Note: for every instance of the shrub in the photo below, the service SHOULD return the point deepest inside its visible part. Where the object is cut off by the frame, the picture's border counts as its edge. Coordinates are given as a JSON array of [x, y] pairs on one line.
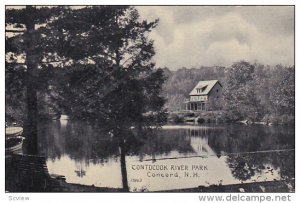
[[176, 118], [201, 120]]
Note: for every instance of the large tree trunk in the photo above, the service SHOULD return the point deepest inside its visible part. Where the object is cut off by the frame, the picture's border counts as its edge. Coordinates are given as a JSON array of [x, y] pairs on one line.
[[123, 167], [31, 131], [32, 110]]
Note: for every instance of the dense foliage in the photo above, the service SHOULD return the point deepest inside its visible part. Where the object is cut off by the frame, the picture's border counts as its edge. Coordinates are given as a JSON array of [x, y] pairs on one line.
[[252, 92], [91, 63], [112, 77]]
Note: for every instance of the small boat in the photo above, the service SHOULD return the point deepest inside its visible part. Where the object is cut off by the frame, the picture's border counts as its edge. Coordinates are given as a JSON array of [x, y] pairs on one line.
[[13, 131], [13, 140], [190, 119], [13, 145]]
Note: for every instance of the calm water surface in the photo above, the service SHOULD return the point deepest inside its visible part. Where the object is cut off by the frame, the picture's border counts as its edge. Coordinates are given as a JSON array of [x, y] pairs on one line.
[[175, 157]]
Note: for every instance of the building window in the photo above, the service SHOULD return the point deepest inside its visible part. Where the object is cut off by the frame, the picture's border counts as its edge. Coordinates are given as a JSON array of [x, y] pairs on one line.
[[217, 90], [203, 88]]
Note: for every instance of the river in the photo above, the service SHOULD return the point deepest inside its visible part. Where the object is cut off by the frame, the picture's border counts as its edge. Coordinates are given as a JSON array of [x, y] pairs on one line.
[[173, 157]]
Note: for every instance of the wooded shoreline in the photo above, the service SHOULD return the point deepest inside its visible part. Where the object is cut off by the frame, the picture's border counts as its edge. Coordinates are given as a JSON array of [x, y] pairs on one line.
[[219, 117]]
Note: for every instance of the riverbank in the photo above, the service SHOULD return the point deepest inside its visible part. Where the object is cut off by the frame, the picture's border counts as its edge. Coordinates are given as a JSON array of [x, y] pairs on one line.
[[196, 117], [258, 187], [268, 186], [217, 117], [70, 187]]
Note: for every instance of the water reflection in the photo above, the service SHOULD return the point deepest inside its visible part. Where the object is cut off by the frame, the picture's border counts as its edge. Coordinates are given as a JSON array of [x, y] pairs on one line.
[[85, 154], [245, 166], [80, 169]]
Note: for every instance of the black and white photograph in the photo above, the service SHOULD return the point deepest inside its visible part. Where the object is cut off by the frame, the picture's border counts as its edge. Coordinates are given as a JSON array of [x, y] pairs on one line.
[[149, 98]]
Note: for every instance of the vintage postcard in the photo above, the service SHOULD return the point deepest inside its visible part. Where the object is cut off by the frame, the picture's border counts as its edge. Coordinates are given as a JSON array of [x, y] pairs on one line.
[[150, 98]]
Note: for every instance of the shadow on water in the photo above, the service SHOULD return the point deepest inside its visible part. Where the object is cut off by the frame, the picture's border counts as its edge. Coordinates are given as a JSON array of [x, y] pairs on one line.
[[86, 154]]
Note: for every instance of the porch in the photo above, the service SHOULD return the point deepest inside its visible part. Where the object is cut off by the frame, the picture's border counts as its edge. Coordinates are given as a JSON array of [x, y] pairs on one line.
[[195, 106]]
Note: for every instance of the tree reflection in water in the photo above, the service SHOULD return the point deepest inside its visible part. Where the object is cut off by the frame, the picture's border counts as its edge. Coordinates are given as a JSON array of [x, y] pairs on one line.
[[245, 166], [80, 169], [78, 139], [242, 166], [256, 138], [90, 144]]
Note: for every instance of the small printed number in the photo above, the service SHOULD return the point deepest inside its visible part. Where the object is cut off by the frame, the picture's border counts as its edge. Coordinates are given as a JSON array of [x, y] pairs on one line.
[[136, 180]]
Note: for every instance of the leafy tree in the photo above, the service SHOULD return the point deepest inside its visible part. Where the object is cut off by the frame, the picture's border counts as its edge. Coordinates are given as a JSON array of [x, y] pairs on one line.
[[107, 73], [261, 79], [25, 67], [239, 92], [111, 77], [282, 90]]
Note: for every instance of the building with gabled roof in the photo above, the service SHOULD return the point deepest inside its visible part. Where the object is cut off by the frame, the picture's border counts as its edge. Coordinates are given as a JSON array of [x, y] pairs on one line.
[[206, 95]]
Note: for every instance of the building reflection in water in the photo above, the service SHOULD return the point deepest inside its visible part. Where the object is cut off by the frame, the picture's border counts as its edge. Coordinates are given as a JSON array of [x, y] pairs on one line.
[[199, 141], [85, 156]]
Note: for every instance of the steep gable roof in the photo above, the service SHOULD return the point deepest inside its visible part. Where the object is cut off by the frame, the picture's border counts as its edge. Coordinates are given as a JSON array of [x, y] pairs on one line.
[[205, 86]]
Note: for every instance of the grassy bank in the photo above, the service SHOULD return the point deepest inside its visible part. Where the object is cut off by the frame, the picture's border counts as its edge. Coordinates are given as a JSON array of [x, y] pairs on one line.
[[196, 117]]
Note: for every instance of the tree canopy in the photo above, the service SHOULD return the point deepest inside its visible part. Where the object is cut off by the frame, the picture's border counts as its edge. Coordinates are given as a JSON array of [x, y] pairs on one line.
[[252, 91]]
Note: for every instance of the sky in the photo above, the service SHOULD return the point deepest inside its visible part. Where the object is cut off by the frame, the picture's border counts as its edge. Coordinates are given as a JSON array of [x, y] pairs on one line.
[[193, 36]]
